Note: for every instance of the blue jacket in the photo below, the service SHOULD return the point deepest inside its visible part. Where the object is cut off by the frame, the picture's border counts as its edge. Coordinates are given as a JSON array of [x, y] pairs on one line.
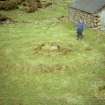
[[80, 27]]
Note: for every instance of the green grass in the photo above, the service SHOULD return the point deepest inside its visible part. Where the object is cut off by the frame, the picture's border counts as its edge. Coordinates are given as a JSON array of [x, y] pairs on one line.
[[24, 82]]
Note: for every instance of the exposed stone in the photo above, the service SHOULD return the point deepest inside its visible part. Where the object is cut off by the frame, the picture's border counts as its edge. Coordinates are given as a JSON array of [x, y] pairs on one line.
[[4, 19], [92, 21], [28, 5]]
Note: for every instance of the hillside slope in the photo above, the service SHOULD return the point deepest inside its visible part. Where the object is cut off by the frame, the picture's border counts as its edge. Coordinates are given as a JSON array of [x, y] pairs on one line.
[[42, 63]]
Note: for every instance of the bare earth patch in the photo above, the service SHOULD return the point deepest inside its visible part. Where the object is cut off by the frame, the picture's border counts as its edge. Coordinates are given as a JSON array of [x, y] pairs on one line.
[[100, 93], [51, 48], [42, 68], [51, 68]]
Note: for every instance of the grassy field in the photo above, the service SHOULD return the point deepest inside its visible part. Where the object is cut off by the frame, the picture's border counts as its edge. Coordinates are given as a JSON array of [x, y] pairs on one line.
[[68, 77]]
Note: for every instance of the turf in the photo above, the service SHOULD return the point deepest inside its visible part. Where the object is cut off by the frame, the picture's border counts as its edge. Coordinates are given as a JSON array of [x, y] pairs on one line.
[[50, 78]]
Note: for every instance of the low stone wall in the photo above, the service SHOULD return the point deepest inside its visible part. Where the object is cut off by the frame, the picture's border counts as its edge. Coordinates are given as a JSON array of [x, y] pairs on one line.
[[91, 20]]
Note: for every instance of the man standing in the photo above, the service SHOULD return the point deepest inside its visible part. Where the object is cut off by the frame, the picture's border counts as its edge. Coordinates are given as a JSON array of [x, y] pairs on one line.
[[80, 29]]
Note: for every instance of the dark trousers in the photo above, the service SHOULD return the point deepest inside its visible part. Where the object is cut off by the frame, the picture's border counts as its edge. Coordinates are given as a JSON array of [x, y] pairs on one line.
[[79, 35]]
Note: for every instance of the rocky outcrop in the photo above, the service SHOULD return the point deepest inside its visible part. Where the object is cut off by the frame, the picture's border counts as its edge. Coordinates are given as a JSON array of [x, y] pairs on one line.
[[7, 5], [28, 5]]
